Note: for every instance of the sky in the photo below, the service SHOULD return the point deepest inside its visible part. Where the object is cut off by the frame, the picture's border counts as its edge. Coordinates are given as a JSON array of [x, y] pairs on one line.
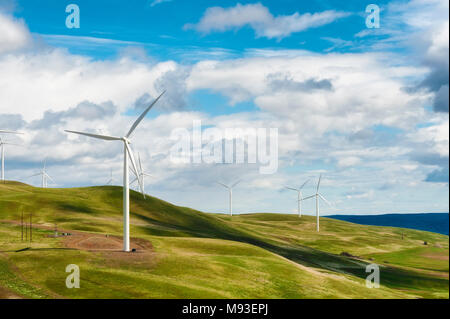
[[365, 107]]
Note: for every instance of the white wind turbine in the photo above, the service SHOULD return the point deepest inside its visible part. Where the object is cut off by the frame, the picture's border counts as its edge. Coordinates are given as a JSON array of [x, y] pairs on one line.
[[140, 174], [317, 195], [126, 153], [2, 145], [44, 176], [300, 197], [111, 179], [230, 191]]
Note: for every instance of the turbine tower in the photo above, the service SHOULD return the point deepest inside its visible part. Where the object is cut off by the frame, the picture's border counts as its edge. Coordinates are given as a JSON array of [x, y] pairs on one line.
[[317, 195], [127, 153], [2, 146], [141, 174], [300, 197], [44, 176], [230, 191]]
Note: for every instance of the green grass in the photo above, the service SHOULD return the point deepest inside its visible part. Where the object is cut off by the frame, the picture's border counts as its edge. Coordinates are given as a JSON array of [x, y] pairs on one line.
[[199, 255]]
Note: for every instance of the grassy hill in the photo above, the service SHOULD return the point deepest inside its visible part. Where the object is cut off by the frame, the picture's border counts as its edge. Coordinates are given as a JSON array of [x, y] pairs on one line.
[[184, 253]]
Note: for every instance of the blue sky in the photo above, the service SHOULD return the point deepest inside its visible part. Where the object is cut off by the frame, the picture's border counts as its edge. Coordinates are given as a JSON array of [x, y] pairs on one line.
[[365, 107], [159, 28]]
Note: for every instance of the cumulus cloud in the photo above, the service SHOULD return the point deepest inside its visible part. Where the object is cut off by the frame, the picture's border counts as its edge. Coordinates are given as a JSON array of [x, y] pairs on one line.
[[354, 91], [324, 105], [259, 18], [57, 80], [432, 149], [14, 34], [286, 82], [438, 176], [11, 121], [437, 59], [85, 111], [424, 27]]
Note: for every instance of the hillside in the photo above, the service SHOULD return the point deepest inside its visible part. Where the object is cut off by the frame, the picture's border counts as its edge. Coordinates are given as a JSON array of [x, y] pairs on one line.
[[183, 253]]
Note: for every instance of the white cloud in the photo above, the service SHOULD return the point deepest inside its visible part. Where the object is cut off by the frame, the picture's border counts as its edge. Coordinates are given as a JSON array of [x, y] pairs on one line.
[[54, 79], [349, 94], [365, 89], [14, 34], [156, 2], [259, 18], [349, 161]]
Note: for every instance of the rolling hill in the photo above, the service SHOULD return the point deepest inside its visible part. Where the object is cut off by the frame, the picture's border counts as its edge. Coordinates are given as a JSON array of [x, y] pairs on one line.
[[184, 253]]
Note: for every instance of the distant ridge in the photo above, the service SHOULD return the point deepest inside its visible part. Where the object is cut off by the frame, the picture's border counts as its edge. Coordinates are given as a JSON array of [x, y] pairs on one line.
[[432, 222]]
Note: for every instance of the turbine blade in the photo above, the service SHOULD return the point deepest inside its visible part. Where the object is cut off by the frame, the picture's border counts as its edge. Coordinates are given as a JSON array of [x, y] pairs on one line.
[[133, 162], [134, 181], [101, 137], [136, 123], [325, 200], [318, 184], [10, 132], [226, 186], [34, 175], [235, 183], [301, 187], [48, 176], [133, 171], [292, 189], [6, 143], [139, 160], [312, 196]]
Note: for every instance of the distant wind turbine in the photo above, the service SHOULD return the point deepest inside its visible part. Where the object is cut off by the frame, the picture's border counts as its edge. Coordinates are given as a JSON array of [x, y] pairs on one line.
[[300, 197], [111, 179], [317, 195], [2, 146], [140, 174], [44, 176], [230, 191], [127, 153]]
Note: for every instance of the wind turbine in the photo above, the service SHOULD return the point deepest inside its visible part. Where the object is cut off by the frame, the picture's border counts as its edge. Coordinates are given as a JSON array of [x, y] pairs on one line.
[[317, 195], [300, 197], [140, 174], [2, 145], [230, 191], [126, 187], [111, 179], [44, 176]]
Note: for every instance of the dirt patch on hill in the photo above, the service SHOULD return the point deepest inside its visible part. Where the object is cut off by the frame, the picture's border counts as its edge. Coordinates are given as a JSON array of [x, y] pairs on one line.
[[109, 249], [6, 294], [98, 242]]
